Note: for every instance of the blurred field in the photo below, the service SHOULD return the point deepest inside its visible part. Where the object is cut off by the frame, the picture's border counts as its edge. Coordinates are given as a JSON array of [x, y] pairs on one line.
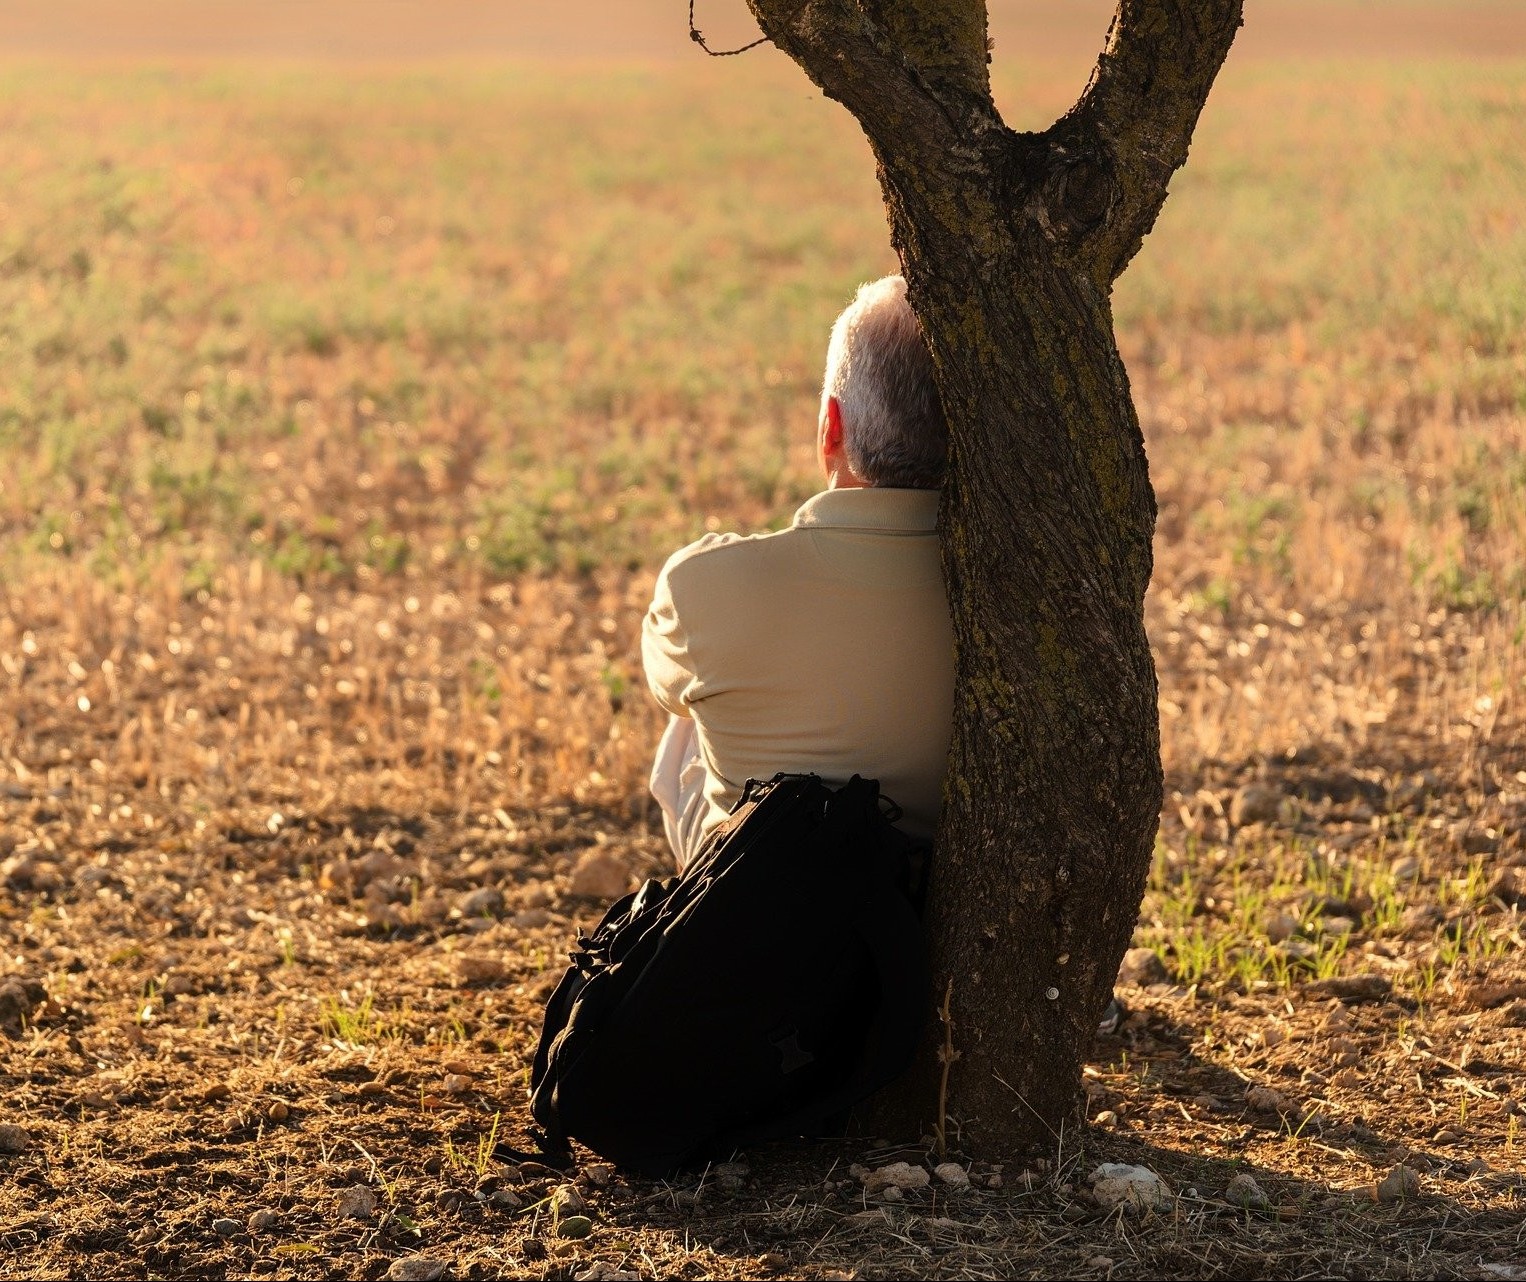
[[344, 420]]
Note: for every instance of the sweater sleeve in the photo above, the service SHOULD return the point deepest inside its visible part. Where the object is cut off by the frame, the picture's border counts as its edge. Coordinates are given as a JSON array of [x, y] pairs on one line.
[[665, 649]]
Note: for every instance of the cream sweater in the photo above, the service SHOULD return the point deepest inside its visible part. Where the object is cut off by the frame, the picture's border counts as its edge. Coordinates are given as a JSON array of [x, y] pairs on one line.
[[823, 648]]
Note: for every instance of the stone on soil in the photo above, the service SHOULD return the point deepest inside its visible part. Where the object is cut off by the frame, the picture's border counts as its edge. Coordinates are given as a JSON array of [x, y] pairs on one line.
[[1265, 1100], [567, 1200], [486, 901], [1255, 803], [224, 1227], [417, 1268], [1141, 968], [599, 875], [1352, 988], [1280, 927], [603, 1271], [1135, 1188], [357, 1203], [898, 1175], [1398, 1184], [478, 970], [1244, 1191], [263, 1220], [13, 1138], [575, 1226], [952, 1174]]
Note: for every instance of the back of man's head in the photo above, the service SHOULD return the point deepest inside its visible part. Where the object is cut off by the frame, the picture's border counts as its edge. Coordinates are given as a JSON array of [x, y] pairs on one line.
[[880, 372]]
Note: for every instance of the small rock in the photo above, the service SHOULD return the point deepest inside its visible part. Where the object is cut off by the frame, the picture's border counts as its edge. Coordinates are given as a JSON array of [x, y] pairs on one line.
[[1352, 988], [1415, 791], [1485, 994], [485, 901], [1263, 1099], [1254, 803], [278, 1111], [1136, 1188], [13, 1138], [457, 1083], [1336, 926], [1475, 840], [263, 1220], [574, 1226], [1299, 949], [599, 1174], [1141, 968], [1509, 888], [1243, 1190], [18, 999], [224, 1227], [505, 1200], [531, 918], [890, 1193], [599, 875], [217, 1092], [954, 1175], [416, 1268], [450, 1200], [1400, 1183], [1281, 927], [357, 1203], [898, 1175], [566, 1200], [1405, 868], [603, 1271], [1107, 1117], [536, 1171], [466, 969], [1074, 1212], [1421, 919], [178, 985], [1447, 1136]]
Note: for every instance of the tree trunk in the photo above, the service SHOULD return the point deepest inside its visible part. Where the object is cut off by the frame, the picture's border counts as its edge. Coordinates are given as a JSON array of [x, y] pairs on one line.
[[1010, 244]]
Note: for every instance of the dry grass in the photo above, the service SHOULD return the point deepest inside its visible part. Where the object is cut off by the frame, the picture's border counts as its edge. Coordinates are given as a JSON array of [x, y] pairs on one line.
[[342, 425]]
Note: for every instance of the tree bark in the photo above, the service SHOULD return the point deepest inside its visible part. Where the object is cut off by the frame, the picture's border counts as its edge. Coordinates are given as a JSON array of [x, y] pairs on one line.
[[1010, 244]]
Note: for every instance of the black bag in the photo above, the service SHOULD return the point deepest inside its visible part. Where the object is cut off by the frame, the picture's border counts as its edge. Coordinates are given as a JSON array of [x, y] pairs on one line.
[[776, 983]]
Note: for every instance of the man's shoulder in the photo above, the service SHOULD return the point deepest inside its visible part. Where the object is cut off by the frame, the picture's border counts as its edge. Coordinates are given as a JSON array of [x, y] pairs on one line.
[[727, 555]]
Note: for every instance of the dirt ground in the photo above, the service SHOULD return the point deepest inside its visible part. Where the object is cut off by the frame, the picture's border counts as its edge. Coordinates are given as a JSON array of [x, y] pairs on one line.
[[237, 994]]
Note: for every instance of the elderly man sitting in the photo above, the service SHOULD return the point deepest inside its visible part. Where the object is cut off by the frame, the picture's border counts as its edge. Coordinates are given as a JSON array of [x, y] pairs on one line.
[[826, 647]]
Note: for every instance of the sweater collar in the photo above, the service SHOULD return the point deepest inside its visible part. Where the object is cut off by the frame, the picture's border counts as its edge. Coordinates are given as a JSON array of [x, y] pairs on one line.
[[871, 508]]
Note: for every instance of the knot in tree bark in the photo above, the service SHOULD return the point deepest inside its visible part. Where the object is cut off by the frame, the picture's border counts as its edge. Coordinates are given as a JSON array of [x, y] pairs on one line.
[[1079, 194]]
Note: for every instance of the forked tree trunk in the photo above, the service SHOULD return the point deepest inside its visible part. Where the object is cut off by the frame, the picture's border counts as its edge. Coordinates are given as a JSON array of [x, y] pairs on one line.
[[1010, 243]]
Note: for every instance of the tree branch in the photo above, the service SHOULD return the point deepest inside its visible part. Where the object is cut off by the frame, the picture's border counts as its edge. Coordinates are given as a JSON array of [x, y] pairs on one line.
[[939, 110], [1144, 99], [946, 40]]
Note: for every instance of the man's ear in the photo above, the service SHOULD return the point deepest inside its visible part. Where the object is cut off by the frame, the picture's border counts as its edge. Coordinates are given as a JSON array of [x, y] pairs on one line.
[[831, 428]]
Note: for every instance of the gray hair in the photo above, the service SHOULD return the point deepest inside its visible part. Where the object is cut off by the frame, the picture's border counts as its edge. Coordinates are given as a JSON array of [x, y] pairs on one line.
[[880, 371]]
